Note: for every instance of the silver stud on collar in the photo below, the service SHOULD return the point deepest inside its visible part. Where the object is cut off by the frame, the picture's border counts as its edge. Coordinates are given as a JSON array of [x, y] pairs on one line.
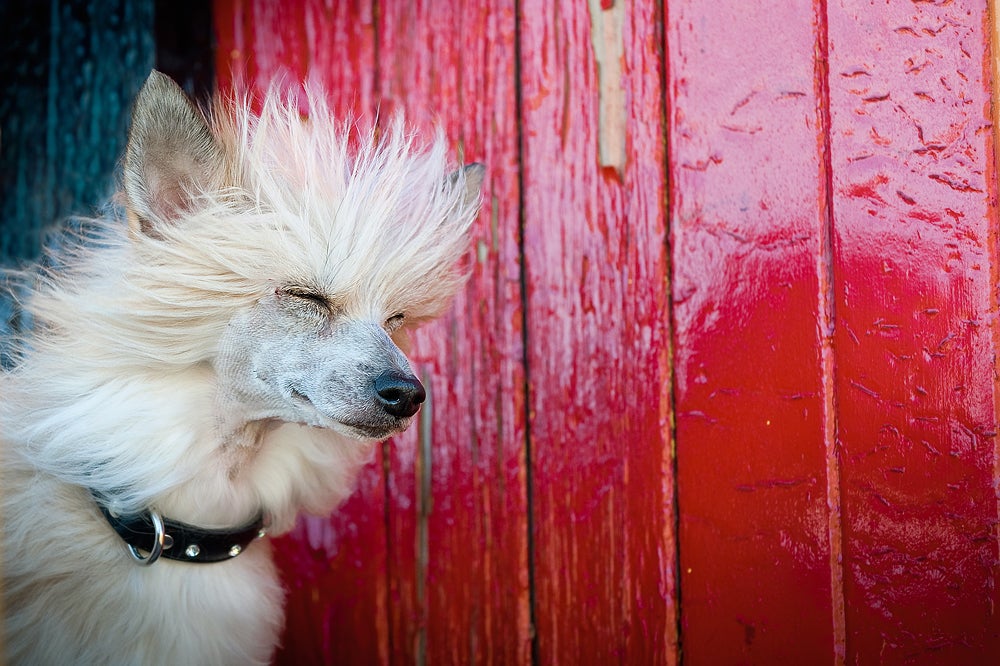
[[192, 550], [234, 551]]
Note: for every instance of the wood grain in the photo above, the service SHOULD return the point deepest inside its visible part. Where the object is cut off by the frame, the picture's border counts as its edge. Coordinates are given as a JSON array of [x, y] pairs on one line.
[[815, 339], [749, 224], [915, 252], [598, 336], [458, 493], [336, 567]]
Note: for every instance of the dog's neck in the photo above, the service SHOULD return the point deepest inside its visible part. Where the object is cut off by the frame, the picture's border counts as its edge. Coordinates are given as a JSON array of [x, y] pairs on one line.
[[159, 536], [241, 442]]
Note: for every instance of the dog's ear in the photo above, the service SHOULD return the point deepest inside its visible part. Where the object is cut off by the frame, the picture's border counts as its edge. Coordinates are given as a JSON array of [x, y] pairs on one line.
[[171, 156], [473, 175]]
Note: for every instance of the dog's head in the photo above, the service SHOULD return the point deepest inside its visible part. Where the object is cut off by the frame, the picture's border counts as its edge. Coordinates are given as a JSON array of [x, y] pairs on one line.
[[295, 253]]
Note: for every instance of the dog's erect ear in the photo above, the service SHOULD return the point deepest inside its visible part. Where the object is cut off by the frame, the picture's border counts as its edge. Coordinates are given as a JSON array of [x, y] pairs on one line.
[[474, 174], [170, 157]]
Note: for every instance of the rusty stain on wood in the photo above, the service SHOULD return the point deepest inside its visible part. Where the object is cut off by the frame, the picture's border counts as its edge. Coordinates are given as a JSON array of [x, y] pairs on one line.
[[606, 33]]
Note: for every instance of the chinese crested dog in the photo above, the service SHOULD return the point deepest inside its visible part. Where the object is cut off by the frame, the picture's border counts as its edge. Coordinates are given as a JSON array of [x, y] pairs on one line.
[[215, 361]]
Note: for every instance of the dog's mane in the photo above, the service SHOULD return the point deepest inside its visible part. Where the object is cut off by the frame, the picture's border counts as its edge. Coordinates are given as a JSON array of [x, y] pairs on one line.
[[369, 216], [324, 204]]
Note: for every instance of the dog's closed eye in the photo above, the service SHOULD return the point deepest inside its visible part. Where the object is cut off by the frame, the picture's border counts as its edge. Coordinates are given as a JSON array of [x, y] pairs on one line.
[[306, 295], [394, 322]]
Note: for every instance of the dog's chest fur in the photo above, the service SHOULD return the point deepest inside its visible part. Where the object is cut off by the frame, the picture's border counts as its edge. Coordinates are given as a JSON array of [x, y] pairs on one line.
[[69, 581]]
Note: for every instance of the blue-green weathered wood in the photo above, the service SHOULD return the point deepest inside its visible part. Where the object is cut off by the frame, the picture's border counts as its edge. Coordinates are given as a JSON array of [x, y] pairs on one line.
[[70, 71], [68, 74]]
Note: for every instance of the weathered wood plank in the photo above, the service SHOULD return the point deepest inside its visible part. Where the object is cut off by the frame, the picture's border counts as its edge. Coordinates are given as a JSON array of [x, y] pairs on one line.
[[288, 43], [756, 473], [335, 570], [451, 594], [458, 500], [336, 567], [598, 331], [915, 252]]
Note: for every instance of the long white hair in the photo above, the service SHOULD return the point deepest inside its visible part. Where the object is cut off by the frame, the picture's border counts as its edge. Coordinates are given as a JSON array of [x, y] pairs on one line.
[[219, 213]]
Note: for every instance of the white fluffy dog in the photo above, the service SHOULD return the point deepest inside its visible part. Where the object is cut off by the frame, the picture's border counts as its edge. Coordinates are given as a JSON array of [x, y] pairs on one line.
[[200, 375]]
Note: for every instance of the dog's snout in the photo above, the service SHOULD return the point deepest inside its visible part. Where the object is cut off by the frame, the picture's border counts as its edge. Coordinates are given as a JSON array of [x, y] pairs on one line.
[[400, 394]]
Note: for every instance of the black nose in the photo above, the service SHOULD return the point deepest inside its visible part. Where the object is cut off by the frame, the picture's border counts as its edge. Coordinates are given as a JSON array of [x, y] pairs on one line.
[[399, 393]]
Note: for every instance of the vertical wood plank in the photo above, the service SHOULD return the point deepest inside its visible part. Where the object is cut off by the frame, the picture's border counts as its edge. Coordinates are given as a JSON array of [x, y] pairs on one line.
[[335, 568], [748, 223], [914, 199], [598, 331], [69, 71], [458, 503], [261, 42]]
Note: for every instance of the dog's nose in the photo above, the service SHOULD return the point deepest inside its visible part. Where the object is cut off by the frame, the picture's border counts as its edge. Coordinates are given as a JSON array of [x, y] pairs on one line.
[[399, 393]]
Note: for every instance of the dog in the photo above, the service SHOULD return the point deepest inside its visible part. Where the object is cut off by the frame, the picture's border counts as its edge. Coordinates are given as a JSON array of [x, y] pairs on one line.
[[221, 357]]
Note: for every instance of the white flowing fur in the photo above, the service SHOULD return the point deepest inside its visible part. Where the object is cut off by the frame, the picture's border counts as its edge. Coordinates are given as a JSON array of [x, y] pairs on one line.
[[182, 363]]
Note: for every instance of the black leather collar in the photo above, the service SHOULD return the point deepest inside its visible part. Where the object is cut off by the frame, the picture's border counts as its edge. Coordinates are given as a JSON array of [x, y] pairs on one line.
[[183, 542]]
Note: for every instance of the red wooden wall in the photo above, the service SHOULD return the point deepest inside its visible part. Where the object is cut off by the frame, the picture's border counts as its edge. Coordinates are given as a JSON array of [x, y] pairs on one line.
[[722, 388]]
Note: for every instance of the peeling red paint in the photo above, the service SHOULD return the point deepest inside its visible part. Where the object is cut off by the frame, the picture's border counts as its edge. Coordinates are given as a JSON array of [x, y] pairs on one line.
[[598, 345], [755, 544], [817, 348], [446, 579], [466, 600], [920, 579]]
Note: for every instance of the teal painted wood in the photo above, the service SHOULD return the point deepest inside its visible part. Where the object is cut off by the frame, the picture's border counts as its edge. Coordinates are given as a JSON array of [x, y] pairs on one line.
[[71, 71], [68, 73]]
